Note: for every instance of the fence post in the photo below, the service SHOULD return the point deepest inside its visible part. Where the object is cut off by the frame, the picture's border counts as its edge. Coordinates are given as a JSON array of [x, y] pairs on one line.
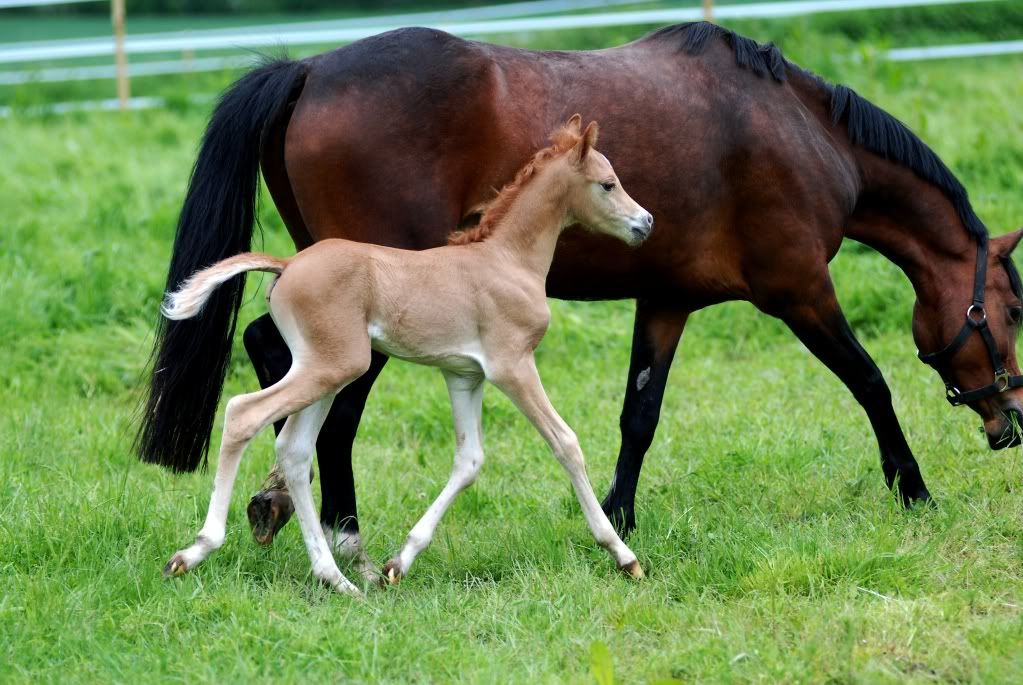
[[708, 10], [117, 19]]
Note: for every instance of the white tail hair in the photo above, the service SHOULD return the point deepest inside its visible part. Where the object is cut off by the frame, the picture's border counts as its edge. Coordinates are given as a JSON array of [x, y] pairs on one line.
[[189, 299]]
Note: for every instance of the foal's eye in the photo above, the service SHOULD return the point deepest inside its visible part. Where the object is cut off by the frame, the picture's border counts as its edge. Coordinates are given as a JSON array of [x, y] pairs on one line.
[[1016, 314], [608, 186]]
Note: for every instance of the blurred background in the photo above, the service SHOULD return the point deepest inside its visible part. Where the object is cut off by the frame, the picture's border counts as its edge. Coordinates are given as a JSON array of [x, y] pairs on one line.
[[66, 52]]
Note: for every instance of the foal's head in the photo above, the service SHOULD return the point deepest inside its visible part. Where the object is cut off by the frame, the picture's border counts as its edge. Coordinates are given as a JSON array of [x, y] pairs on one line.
[[596, 199], [973, 344]]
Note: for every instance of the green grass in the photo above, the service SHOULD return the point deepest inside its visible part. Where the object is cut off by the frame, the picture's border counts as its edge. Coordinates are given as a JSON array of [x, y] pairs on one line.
[[774, 551]]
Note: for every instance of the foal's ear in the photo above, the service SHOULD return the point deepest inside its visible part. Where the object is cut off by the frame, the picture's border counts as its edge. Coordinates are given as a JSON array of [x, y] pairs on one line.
[[1003, 245], [586, 142], [575, 123]]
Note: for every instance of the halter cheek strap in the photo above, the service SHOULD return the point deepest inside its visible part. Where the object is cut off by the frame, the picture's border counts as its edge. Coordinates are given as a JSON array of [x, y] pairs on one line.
[[976, 320]]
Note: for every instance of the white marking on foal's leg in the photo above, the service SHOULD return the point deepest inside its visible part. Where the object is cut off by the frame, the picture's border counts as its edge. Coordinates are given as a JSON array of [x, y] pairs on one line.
[[295, 447], [466, 406], [348, 544]]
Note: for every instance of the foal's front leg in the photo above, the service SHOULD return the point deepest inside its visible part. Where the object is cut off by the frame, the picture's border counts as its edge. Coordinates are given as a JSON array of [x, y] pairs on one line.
[[522, 385], [466, 394]]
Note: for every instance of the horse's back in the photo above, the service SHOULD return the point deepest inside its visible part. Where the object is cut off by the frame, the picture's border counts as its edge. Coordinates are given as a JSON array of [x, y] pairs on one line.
[[397, 137]]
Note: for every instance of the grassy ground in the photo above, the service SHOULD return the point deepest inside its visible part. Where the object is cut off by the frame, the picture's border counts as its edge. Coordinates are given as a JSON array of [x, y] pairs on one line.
[[774, 552]]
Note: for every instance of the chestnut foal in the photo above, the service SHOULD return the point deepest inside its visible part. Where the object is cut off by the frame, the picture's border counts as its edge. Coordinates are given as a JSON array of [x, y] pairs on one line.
[[476, 309]]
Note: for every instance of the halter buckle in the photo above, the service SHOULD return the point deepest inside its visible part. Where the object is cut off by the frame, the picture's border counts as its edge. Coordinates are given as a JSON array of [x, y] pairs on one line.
[[973, 309], [952, 393], [1002, 380]]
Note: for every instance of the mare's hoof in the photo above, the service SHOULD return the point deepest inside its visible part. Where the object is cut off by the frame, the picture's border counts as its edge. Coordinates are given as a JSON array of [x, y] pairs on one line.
[[920, 499], [268, 511], [392, 572], [176, 566], [633, 570]]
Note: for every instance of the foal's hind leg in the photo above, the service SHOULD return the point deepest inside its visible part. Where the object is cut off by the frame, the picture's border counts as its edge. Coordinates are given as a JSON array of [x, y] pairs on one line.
[[466, 407], [245, 416], [522, 384], [295, 446]]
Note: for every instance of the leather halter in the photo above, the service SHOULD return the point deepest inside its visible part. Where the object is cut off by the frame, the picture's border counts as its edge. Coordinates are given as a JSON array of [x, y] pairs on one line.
[[976, 320]]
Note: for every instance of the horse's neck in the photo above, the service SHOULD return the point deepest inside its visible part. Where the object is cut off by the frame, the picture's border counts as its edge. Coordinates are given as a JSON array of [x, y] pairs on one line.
[[914, 224], [529, 231]]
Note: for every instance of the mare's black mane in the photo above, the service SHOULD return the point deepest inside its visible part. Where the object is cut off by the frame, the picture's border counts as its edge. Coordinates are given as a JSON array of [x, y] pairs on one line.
[[869, 126]]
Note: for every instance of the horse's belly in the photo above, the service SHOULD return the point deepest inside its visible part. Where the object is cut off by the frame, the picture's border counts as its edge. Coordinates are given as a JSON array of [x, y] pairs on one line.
[[461, 356]]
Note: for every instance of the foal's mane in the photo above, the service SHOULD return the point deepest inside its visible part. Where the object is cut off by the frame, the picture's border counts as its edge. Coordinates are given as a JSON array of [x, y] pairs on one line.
[[563, 140], [869, 126]]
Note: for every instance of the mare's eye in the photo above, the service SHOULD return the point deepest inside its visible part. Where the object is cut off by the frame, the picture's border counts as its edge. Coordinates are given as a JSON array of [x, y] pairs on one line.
[[1016, 314], [608, 186]]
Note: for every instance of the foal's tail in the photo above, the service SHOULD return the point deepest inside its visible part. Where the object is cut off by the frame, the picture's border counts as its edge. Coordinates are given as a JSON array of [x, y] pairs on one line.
[[191, 357], [190, 298]]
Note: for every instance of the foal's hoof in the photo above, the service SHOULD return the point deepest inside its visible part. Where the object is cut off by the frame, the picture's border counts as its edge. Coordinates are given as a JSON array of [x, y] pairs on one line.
[[633, 570], [177, 566], [268, 511], [392, 572]]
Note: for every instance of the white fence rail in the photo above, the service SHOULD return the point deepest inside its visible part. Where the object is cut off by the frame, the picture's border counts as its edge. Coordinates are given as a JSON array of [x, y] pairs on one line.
[[11, 4], [260, 37], [1006, 47]]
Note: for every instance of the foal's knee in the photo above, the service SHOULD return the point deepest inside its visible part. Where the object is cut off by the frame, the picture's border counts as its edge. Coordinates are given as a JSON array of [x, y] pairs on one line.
[[467, 468], [567, 449]]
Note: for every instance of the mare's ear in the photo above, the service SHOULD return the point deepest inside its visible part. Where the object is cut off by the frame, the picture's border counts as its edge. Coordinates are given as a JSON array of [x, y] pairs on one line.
[[1003, 245], [575, 124], [586, 142]]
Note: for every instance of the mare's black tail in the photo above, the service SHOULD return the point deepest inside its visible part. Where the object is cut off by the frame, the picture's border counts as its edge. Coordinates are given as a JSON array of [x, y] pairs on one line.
[[191, 356]]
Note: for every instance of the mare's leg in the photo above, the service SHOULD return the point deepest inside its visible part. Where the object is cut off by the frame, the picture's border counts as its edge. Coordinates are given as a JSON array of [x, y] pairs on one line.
[[522, 385], [819, 323], [245, 416], [466, 394], [654, 338], [295, 447]]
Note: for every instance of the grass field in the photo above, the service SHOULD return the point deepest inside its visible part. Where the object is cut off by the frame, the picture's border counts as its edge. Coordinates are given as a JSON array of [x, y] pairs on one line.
[[773, 549]]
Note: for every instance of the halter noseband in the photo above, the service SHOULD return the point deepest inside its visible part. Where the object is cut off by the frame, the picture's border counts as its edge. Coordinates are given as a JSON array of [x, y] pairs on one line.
[[976, 320]]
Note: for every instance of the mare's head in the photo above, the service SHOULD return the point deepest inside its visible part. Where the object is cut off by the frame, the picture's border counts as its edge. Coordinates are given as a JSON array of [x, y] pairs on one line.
[[596, 199], [972, 343]]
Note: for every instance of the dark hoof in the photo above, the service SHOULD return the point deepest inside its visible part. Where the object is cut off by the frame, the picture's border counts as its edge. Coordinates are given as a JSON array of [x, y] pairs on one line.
[[622, 517], [268, 511], [920, 499]]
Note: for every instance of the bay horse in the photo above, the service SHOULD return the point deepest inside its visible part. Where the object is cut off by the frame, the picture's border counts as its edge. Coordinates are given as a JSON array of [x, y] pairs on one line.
[[475, 309], [756, 170]]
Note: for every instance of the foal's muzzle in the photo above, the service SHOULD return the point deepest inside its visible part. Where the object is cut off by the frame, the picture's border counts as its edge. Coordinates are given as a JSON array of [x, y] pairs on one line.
[[642, 228]]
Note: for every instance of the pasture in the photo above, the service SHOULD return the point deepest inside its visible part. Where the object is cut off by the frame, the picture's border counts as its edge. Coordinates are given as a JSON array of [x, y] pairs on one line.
[[773, 550]]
